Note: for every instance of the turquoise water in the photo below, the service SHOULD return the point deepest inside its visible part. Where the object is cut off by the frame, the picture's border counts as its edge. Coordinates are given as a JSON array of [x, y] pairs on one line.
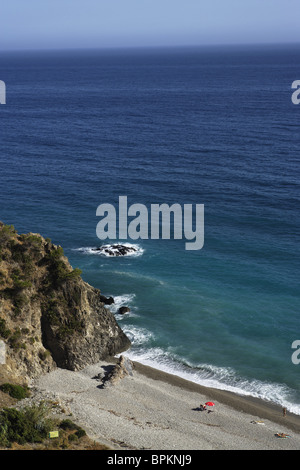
[[194, 126]]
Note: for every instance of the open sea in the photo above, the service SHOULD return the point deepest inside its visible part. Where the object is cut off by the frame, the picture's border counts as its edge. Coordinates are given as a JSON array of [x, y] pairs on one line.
[[213, 126]]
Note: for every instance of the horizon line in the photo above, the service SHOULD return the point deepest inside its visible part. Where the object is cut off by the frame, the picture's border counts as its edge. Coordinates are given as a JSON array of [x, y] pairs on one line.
[[161, 46]]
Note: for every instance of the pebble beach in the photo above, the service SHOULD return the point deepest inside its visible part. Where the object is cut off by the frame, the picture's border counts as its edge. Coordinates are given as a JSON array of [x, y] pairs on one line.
[[152, 410]]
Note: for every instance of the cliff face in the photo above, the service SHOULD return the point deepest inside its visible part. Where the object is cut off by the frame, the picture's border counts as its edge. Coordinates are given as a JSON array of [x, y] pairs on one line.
[[49, 316]]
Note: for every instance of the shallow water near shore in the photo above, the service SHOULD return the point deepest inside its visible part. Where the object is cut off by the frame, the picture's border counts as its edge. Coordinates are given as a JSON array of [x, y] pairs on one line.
[[200, 126]]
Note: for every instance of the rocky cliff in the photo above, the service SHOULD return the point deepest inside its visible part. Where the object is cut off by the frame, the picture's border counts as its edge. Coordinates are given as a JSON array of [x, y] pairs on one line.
[[49, 317]]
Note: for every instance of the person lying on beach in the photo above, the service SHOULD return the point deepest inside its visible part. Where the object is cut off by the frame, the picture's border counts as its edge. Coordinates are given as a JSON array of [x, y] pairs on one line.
[[282, 435]]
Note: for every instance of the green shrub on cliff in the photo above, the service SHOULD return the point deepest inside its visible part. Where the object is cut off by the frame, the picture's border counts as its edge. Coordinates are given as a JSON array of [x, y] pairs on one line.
[[56, 253], [67, 424], [15, 391], [28, 425], [15, 340], [73, 274], [6, 232], [33, 240], [65, 320], [4, 331], [20, 284], [32, 424], [58, 270]]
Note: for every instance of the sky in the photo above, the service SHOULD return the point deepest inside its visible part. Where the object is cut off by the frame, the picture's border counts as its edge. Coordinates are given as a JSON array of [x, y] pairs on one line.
[[60, 24]]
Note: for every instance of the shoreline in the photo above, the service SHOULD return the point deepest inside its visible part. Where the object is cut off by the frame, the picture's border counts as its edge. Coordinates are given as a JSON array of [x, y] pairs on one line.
[[240, 403], [149, 409]]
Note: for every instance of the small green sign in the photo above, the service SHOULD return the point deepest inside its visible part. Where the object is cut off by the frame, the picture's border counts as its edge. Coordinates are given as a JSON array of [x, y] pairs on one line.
[[53, 434]]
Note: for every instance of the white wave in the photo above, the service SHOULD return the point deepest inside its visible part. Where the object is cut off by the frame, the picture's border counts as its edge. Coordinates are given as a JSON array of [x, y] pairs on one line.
[[90, 250], [125, 300], [220, 378], [110, 250], [225, 378], [138, 336]]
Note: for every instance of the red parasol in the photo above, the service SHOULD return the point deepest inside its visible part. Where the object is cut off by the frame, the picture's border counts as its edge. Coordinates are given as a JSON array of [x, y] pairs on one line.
[[209, 403]]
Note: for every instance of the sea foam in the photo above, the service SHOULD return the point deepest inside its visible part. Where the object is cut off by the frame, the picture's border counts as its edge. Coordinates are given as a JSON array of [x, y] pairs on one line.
[[221, 378]]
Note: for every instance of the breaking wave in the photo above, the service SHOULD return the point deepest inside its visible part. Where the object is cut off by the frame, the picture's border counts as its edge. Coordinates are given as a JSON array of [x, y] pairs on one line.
[[125, 300], [222, 378]]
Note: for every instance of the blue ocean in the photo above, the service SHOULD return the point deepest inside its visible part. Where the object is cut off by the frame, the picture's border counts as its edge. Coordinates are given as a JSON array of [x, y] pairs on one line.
[[192, 125]]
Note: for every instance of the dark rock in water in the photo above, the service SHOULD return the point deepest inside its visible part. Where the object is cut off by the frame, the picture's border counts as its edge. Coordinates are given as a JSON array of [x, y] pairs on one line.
[[106, 300], [116, 250], [123, 310]]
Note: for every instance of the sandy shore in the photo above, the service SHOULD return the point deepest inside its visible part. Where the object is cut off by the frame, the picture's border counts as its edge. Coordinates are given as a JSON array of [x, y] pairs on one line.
[[157, 411]]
